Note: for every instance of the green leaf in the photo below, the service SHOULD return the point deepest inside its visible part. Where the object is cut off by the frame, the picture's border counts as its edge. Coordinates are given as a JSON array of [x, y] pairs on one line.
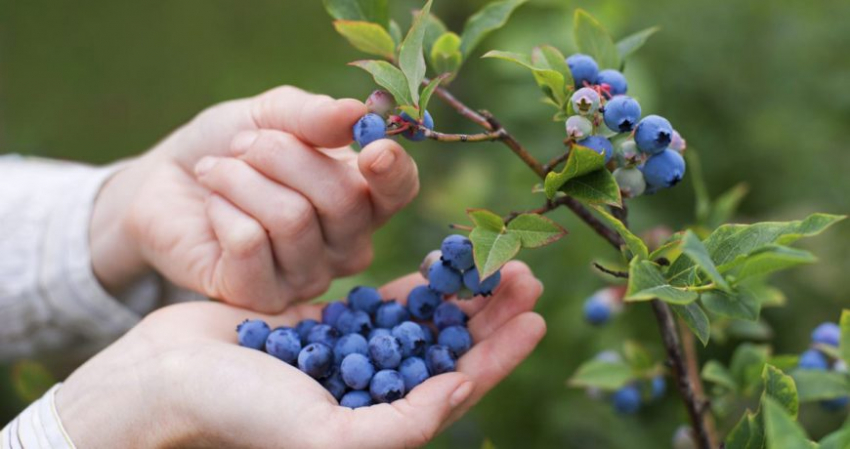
[[389, 77], [598, 187], [725, 206], [376, 11], [427, 92], [693, 248], [646, 283], [781, 387], [630, 44], [768, 259], [814, 385], [839, 439], [844, 346], [549, 57], [410, 56], [491, 249], [696, 320], [747, 366], [592, 39], [535, 230], [715, 372], [781, 431], [445, 54], [607, 376], [434, 28], [395, 32], [747, 434], [550, 81], [488, 19], [703, 201], [637, 357], [483, 218], [367, 37], [633, 242], [741, 304], [581, 161]]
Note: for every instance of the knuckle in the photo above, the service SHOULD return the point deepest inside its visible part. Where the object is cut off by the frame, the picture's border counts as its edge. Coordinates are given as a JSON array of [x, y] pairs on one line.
[[292, 218], [315, 286], [244, 239], [359, 260]]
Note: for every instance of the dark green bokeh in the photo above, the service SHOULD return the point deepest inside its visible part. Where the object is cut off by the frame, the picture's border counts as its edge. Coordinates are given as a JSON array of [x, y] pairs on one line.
[[761, 88]]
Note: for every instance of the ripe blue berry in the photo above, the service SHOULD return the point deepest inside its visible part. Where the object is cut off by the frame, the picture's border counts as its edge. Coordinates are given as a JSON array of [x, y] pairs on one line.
[[415, 134], [253, 334], [664, 169], [827, 334], [378, 331], [457, 251], [456, 338], [444, 279], [334, 384], [390, 314], [386, 386], [631, 181], [354, 322], [600, 145], [429, 260], [585, 101], [427, 334], [356, 399], [323, 333], [369, 128], [814, 360], [653, 134], [357, 371], [285, 344], [583, 68], [578, 127], [472, 282], [659, 387], [596, 311], [385, 351], [303, 328], [380, 102], [366, 299], [316, 359], [409, 334], [422, 301], [449, 314], [439, 360], [615, 80], [413, 371], [621, 114], [350, 344], [627, 400], [332, 311]]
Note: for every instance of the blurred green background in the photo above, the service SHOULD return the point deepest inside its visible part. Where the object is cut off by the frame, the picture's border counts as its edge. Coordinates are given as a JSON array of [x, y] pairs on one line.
[[762, 89]]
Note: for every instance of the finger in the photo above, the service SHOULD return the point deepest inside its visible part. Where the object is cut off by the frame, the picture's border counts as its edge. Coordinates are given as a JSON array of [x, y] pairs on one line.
[[339, 193], [317, 120], [244, 273], [518, 293], [392, 176], [409, 422], [288, 217]]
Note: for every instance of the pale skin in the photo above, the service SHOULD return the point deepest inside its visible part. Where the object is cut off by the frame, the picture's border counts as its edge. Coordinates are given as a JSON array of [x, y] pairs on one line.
[[260, 203]]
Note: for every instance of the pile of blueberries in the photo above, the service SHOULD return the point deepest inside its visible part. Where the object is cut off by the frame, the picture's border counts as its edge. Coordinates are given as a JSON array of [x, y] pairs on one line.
[[603, 305], [376, 124], [827, 334], [369, 350], [629, 399]]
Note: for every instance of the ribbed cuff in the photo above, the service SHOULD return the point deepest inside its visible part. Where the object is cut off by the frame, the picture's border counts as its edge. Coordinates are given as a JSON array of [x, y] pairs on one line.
[[38, 426]]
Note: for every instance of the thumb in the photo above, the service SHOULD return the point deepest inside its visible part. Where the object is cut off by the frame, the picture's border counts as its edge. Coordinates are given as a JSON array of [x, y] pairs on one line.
[[392, 177]]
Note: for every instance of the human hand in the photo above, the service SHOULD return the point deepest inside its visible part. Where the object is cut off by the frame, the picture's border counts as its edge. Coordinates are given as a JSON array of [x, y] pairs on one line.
[[179, 379], [258, 202]]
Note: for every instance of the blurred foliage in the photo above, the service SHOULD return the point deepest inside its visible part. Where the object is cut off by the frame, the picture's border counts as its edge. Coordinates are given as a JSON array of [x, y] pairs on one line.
[[759, 87]]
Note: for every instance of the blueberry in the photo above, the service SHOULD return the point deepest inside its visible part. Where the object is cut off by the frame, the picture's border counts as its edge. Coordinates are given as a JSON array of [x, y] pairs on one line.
[[835, 405], [449, 314], [350, 344], [664, 169], [285, 344], [422, 301], [585, 101], [653, 134], [472, 282], [357, 371], [827, 334], [631, 181], [600, 145], [303, 328], [456, 338], [354, 322], [430, 259], [615, 80], [621, 114], [323, 333], [583, 68], [332, 311], [578, 127], [334, 384], [366, 299], [386, 386], [253, 334], [457, 251], [409, 334], [385, 351], [378, 331], [380, 102], [814, 360], [316, 359], [369, 128], [413, 371], [627, 400], [427, 334], [445, 279], [439, 360], [356, 399], [659, 387], [415, 134], [596, 311], [390, 314]]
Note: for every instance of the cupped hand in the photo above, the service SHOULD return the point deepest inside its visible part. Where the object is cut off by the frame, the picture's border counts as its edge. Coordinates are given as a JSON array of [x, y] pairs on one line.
[[179, 379], [258, 202]]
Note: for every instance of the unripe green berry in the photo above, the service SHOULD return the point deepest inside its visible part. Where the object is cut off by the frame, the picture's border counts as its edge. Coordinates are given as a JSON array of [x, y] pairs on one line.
[[585, 101], [631, 181], [578, 127]]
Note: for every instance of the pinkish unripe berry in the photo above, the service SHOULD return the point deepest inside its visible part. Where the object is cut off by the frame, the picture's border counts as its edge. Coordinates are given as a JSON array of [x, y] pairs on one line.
[[380, 102]]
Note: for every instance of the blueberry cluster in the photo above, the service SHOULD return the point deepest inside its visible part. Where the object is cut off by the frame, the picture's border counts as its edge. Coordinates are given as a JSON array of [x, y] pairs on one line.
[[829, 335], [603, 305], [646, 151], [370, 350], [629, 399], [379, 122]]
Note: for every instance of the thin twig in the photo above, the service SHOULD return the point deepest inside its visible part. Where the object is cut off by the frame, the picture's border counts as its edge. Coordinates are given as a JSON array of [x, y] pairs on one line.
[[616, 274], [444, 137]]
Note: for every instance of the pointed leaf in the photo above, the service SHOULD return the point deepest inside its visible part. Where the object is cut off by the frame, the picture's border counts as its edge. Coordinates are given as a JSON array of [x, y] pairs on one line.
[[740, 304], [646, 283], [550, 81], [376, 11], [815, 385], [839, 439], [693, 248], [724, 207], [781, 387], [581, 161], [715, 372], [630, 44], [747, 366], [607, 376], [781, 431], [741, 436], [696, 320], [445, 54], [427, 92], [768, 259], [592, 39], [492, 250], [594, 188], [434, 28], [488, 19], [635, 244], [536, 230], [367, 37], [483, 218], [389, 77], [395, 32], [549, 57], [410, 57]]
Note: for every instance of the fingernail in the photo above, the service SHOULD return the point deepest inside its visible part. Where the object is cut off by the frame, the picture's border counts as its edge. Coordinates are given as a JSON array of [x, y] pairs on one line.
[[461, 393], [383, 163], [205, 165], [243, 141]]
